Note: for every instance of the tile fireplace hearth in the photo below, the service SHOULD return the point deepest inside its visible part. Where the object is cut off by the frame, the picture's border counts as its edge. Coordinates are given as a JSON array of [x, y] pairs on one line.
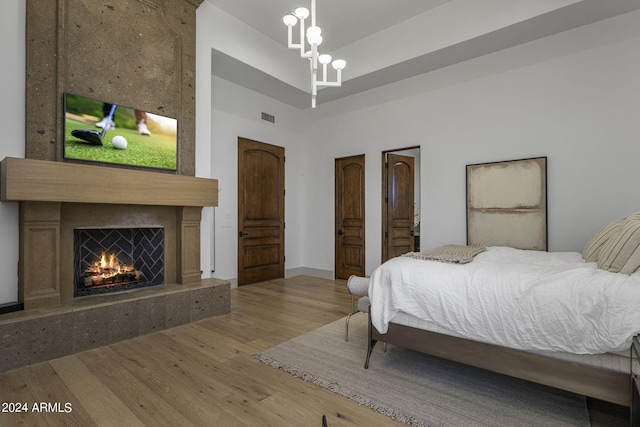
[[33, 336]]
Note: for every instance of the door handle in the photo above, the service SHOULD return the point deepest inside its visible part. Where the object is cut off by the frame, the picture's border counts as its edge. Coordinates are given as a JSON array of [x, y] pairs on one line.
[[242, 234]]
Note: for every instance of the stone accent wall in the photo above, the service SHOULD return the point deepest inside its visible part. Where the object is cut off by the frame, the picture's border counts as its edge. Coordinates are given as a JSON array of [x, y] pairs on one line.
[[136, 53]]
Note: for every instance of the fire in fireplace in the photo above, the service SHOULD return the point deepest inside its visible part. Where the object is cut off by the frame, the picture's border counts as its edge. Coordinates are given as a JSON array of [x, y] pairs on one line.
[[108, 271], [117, 259]]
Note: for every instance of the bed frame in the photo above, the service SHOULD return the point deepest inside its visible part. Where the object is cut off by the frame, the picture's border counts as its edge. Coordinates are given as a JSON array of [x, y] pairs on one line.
[[600, 383]]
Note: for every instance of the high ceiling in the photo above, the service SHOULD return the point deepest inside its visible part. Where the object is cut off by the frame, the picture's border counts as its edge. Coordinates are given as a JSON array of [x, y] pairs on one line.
[[383, 41], [342, 21]]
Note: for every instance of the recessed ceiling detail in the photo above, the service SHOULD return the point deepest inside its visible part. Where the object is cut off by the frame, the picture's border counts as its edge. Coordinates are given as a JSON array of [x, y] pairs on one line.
[[384, 41]]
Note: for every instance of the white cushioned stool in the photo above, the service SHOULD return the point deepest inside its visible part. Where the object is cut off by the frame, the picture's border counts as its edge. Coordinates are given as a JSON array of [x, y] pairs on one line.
[[357, 287]]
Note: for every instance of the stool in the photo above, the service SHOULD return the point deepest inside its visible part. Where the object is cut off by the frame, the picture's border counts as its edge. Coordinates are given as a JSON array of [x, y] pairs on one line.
[[357, 287]]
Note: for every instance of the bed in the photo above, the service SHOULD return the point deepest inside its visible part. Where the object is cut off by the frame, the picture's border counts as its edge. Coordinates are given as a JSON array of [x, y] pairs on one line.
[[563, 319]]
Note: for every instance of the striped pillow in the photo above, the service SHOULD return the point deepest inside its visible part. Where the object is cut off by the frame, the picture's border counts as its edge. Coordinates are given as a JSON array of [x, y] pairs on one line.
[[597, 241], [635, 215], [621, 253]]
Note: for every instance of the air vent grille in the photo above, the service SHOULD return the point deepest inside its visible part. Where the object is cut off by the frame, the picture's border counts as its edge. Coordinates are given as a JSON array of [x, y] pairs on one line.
[[268, 117]]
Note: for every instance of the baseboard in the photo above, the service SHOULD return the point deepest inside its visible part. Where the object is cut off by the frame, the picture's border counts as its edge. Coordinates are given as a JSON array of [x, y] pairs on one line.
[[298, 271], [308, 271]]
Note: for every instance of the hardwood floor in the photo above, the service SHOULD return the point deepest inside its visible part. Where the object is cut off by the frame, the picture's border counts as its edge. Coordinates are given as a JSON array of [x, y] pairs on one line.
[[202, 374]]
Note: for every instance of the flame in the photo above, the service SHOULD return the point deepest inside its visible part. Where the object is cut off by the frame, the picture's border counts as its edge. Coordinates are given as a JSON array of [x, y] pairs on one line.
[[112, 264], [108, 271], [109, 266]]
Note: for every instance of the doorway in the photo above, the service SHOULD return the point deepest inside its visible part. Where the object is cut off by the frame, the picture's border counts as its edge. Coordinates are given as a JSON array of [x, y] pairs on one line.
[[260, 211], [349, 217], [400, 196]]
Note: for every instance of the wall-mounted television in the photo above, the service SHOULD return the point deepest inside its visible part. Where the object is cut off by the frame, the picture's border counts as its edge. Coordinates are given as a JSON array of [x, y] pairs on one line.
[[97, 131]]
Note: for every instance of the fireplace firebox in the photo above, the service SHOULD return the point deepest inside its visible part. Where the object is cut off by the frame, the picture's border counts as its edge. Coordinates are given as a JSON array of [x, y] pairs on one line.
[[108, 260]]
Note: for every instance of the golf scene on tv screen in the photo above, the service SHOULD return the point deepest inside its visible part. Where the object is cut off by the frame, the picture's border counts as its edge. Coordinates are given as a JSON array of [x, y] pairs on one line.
[[97, 131]]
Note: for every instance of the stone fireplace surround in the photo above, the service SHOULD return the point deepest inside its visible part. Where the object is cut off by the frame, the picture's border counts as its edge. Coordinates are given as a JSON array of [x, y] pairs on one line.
[[78, 46]]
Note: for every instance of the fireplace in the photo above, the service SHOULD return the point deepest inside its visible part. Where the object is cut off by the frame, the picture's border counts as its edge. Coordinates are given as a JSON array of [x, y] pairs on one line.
[[108, 260], [71, 196], [59, 202], [57, 198]]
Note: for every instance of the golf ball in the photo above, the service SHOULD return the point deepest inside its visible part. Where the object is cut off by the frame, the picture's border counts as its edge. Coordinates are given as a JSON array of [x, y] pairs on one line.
[[119, 142]]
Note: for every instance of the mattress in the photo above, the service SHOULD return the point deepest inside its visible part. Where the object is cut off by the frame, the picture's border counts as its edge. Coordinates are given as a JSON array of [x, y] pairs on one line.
[[527, 300]]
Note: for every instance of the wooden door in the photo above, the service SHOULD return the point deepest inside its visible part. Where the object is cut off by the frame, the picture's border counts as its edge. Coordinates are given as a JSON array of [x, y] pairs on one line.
[[260, 211], [349, 217], [398, 193]]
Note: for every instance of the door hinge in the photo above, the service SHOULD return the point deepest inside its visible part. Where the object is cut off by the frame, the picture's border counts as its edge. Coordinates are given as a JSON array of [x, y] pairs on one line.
[[386, 200], [386, 234]]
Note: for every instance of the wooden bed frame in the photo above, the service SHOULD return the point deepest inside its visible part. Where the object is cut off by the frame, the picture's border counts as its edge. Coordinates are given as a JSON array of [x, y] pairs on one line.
[[600, 383]]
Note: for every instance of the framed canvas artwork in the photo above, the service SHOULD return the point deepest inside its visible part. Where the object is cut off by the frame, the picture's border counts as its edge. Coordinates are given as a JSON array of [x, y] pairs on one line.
[[507, 204]]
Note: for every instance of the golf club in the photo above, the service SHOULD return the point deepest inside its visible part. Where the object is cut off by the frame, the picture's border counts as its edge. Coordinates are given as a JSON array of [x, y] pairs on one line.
[[94, 137]]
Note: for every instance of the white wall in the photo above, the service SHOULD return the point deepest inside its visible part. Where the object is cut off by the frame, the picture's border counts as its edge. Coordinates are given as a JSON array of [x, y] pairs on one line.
[[237, 113], [12, 122], [573, 97], [225, 112], [204, 33]]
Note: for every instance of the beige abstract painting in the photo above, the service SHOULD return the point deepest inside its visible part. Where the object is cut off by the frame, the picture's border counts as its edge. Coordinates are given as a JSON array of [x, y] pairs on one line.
[[507, 204]]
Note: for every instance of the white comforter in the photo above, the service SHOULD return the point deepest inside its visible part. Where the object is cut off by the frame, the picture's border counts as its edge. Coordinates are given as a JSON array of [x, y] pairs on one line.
[[514, 298]]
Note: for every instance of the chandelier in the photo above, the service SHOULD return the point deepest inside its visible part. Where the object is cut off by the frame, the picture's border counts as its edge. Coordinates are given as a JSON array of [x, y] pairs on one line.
[[314, 39]]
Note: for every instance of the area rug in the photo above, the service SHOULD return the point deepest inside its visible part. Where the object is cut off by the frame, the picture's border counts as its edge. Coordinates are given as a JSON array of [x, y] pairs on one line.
[[418, 389]]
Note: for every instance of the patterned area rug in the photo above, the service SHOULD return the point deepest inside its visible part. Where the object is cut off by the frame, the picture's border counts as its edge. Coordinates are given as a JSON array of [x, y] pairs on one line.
[[418, 389]]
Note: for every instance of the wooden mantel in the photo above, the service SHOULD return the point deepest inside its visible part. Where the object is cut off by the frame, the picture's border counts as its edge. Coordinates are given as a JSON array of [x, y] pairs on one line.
[[48, 181]]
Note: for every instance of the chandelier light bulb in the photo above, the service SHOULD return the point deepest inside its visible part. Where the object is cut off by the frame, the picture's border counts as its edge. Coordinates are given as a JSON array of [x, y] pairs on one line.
[[312, 36], [324, 59], [314, 39], [289, 20], [313, 31], [301, 12], [339, 64]]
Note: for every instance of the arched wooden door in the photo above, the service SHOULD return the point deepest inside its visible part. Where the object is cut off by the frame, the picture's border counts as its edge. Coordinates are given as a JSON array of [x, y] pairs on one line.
[[260, 211], [349, 217], [398, 191]]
